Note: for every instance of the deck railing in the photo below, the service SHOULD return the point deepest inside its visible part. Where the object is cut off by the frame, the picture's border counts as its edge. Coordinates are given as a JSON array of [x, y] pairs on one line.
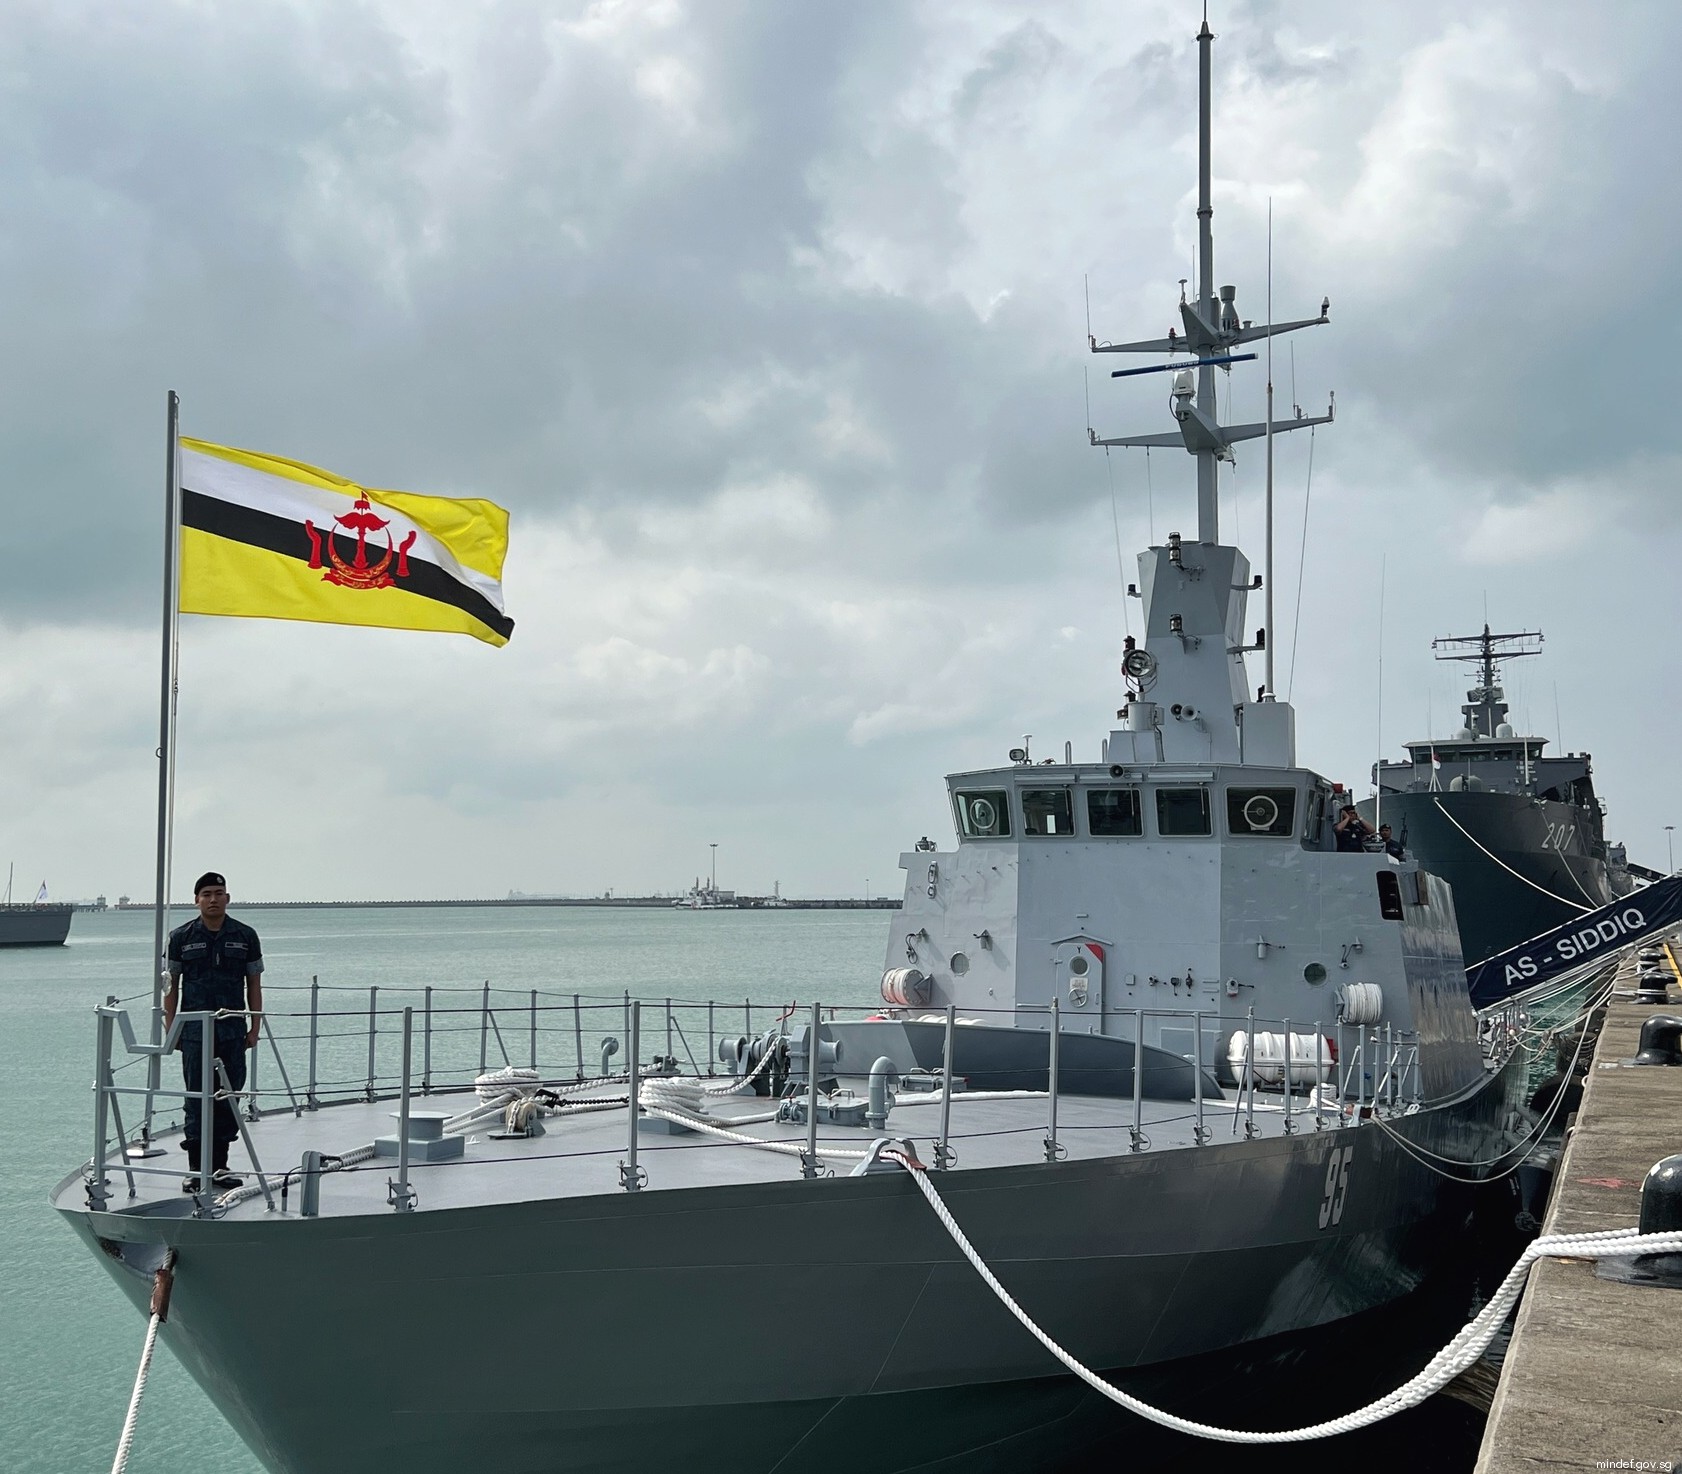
[[347, 1045]]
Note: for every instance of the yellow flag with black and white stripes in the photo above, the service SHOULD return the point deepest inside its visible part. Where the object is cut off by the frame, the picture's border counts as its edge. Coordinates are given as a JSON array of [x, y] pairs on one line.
[[267, 538]]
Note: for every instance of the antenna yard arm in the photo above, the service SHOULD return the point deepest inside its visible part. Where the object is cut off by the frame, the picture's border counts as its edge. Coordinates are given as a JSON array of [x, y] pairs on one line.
[[1256, 332], [1231, 433], [1150, 345], [1173, 440]]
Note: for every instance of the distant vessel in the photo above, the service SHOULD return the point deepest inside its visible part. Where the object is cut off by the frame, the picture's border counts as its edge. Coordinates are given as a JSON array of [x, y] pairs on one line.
[[708, 897], [41, 924], [1519, 836]]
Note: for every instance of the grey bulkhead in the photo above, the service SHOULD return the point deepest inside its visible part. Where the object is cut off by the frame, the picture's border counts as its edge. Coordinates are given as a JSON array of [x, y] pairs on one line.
[[1185, 923]]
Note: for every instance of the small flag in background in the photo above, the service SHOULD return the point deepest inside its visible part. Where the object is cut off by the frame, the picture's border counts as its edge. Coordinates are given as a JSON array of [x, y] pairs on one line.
[[267, 538]]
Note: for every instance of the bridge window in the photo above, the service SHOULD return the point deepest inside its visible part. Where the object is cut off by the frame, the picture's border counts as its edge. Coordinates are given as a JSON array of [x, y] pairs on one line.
[[1047, 811], [984, 813], [1182, 811], [1111, 811], [1261, 811]]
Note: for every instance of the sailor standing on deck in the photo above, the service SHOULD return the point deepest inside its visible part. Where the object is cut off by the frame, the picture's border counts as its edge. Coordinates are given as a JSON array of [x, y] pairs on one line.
[[217, 963]]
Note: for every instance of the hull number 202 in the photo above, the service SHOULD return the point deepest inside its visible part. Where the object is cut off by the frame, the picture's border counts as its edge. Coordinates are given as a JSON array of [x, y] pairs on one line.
[[1337, 1186]]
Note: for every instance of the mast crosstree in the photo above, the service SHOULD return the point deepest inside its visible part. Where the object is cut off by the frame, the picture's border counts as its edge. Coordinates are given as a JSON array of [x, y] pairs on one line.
[[1212, 330]]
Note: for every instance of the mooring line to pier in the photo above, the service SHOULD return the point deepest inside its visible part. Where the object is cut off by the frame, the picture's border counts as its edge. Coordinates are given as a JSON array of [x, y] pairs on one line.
[[162, 1283], [1464, 1349]]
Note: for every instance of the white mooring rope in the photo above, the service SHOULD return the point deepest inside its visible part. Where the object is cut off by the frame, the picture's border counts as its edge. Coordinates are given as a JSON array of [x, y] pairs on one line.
[[162, 1283], [1443, 1368]]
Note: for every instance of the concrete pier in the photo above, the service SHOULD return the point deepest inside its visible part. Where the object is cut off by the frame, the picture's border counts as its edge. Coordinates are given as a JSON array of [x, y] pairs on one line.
[[1593, 1375]]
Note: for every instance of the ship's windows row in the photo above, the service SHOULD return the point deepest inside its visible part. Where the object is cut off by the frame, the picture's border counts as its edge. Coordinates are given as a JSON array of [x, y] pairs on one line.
[[985, 813]]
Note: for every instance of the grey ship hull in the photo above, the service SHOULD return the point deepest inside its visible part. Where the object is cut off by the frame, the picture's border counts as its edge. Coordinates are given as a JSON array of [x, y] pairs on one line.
[[1501, 853], [34, 926], [831, 1324]]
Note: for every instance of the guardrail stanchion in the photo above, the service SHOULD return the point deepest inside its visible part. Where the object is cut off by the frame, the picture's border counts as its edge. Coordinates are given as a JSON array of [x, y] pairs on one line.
[[1138, 1130], [1290, 1123], [373, 1030], [1052, 1150], [577, 1038], [1198, 1134], [630, 1175], [315, 1020], [96, 1181], [943, 1148], [400, 1195], [1319, 1077], [809, 1164], [426, 1041]]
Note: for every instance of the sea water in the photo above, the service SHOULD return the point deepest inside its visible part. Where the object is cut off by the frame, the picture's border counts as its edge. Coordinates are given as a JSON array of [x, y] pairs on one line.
[[70, 1341]]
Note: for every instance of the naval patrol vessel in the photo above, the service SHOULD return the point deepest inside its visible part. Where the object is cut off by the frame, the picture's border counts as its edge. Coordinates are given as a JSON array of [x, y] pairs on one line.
[[1205, 1093], [1519, 835], [41, 924]]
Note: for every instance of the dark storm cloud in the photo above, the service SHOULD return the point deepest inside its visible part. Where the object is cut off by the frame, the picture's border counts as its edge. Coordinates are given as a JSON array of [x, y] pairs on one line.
[[525, 277]]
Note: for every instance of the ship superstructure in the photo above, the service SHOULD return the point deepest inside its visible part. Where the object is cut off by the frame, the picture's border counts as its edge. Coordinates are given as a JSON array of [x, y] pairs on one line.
[[1520, 835]]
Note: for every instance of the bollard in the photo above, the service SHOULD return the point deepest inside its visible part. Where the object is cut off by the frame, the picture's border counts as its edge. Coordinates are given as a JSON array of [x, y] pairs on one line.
[[1661, 1212], [309, 1186], [1661, 1041]]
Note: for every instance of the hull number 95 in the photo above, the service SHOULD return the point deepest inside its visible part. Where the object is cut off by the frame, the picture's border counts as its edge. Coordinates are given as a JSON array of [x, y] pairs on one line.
[[1337, 1186]]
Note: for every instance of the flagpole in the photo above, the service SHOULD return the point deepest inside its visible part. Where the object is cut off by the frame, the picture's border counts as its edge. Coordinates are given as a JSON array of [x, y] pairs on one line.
[[166, 732]]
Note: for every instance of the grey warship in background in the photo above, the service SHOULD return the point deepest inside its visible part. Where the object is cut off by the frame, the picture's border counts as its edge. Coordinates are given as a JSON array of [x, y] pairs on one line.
[[39, 924], [517, 1279], [1520, 836]]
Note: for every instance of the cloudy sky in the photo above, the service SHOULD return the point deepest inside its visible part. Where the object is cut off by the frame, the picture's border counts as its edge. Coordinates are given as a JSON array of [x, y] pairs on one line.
[[767, 323]]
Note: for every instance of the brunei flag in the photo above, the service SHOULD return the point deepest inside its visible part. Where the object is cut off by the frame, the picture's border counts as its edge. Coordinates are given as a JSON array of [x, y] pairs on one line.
[[274, 539]]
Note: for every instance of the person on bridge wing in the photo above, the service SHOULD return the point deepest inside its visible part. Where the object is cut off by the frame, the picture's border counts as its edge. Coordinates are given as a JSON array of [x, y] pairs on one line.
[[216, 963], [1352, 830]]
